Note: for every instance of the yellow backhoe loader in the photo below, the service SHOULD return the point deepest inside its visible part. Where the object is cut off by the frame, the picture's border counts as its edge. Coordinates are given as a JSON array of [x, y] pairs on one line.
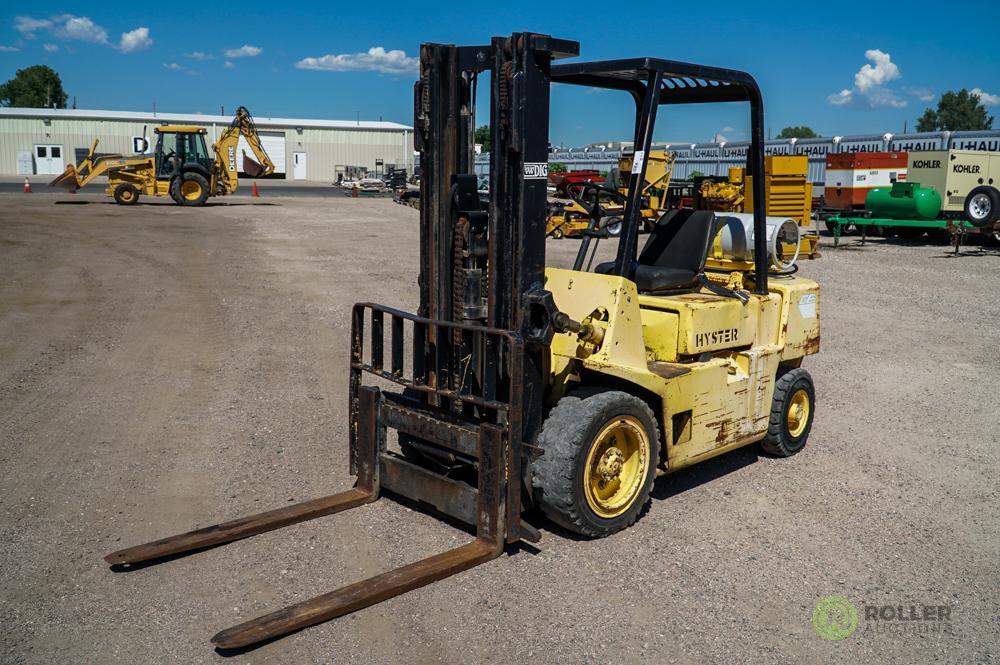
[[181, 166]]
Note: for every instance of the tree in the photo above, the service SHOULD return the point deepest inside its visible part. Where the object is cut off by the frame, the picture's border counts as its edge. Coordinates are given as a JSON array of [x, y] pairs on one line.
[[557, 167], [37, 86], [956, 112], [482, 137], [797, 132]]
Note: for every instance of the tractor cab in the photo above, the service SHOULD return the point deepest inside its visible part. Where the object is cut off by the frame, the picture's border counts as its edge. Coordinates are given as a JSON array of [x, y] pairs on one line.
[[179, 147]]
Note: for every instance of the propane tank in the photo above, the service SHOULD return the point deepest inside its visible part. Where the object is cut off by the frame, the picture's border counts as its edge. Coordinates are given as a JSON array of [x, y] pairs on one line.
[[904, 200], [737, 243]]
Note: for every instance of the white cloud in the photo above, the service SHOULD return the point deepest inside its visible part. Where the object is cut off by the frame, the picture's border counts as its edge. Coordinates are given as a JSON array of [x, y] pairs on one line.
[[172, 65], [9, 49], [198, 55], [28, 26], [869, 90], [245, 51], [923, 94], [841, 98], [79, 28], [377, 59], [728, 129], [135, 40], [68, 27], [229, 65], [51, 48], [985, 97]]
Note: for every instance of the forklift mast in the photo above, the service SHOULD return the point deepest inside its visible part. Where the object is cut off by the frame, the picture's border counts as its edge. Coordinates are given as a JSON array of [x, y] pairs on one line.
[[486, 267]]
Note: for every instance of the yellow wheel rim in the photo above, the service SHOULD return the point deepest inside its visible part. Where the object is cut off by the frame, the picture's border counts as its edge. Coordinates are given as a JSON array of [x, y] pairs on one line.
[[190, 190], [126, 195], [617, 464], [798, 412]]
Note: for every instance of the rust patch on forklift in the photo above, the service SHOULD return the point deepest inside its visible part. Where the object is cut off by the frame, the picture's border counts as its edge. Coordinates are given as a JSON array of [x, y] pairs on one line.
[[811, 345]]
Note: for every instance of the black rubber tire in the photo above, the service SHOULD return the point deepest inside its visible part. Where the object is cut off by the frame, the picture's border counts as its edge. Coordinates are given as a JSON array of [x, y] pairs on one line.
[[557, 233], [614, 226], [779, 441], [566, 437], [187, 177], [991, 216], [126, 194]]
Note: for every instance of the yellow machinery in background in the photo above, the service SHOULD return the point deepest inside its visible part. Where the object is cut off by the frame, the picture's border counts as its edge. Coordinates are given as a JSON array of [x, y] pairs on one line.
[[788, 192], [181, 166], [571, 219]]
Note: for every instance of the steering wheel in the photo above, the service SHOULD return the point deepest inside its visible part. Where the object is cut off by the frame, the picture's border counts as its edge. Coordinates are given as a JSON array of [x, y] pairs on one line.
[[588, 195]]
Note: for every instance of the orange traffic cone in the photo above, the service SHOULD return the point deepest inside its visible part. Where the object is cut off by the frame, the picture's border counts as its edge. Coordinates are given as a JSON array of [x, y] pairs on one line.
[[27, 186], [255, 192]]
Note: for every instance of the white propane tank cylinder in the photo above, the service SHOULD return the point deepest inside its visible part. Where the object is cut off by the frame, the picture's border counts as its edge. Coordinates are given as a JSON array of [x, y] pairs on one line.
[[736, 230]]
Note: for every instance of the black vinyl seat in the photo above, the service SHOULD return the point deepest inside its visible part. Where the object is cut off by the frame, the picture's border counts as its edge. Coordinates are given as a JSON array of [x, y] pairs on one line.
[[674, 255]]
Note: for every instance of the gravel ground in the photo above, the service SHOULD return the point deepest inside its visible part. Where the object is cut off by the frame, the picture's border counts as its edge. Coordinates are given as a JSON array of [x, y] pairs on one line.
[[164, 368]]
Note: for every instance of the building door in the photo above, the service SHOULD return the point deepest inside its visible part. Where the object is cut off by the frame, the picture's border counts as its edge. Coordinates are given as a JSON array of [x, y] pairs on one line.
[[299, 166], [48, 159]]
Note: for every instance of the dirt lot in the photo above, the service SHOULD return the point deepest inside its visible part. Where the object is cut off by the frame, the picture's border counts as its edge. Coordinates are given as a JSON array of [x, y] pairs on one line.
[[165, 368]]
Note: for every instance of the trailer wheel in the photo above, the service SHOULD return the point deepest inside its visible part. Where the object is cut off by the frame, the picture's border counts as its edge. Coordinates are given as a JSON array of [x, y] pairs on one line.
[[792, 410], [601, 451], [191, 189], [982, 206], [126, 194]]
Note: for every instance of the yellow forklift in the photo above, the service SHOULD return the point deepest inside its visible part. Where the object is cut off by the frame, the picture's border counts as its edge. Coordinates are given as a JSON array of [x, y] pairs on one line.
[[518, 387], [180, 167]]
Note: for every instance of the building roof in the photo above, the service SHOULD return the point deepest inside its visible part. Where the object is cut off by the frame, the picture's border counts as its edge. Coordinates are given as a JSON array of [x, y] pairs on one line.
[[197, 118]]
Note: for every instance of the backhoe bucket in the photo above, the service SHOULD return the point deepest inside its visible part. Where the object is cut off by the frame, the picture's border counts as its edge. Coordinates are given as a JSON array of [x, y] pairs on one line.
[[251, 167], [67, 180], [491, 506]]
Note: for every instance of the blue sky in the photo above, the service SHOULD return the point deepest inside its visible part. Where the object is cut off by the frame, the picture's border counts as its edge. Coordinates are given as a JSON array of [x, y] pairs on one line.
[[841, 69]]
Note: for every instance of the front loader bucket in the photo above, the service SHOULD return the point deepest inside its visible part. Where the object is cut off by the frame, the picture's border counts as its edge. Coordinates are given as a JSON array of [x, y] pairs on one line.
[[67, 180], [491, 506], [251, 167]]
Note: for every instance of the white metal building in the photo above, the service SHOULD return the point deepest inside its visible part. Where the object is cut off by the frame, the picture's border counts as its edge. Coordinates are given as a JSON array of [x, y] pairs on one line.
[[43, 141]]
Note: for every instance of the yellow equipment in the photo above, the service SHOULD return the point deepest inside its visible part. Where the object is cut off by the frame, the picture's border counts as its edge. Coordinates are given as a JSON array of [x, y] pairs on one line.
[[180, 167], [787, 190], [570, 220], [523, 385]]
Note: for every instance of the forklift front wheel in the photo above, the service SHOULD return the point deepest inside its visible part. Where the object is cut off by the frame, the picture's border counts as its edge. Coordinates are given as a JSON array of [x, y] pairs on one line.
[[126, 194], [792, 410], [557, 233], [601, 452]]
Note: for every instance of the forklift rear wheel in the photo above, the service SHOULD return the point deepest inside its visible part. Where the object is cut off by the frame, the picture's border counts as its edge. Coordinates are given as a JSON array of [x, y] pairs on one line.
[[126, 194], [792, 411], [599, 463], [192, 189]]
